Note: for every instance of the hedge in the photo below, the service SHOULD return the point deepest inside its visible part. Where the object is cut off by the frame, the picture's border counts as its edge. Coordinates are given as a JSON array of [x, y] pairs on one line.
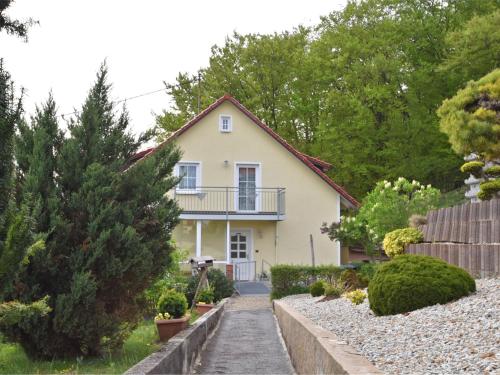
[[295, 279]]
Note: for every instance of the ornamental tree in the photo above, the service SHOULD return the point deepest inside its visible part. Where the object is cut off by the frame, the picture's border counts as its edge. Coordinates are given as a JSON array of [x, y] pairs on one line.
[[471, 119], [387, 207]]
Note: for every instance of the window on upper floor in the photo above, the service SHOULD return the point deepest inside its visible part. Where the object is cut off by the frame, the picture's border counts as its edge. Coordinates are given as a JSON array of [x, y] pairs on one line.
[[225, 124], [191, 177]]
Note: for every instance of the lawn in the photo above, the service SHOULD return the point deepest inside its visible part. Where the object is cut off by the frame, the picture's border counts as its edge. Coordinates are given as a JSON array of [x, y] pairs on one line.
[[140, 344]]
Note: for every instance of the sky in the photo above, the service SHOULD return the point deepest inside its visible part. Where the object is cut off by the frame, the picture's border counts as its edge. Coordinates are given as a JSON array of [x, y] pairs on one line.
[[143, 45]]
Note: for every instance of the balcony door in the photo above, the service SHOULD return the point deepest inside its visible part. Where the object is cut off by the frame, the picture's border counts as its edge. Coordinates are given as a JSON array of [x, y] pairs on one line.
[[247, 197]]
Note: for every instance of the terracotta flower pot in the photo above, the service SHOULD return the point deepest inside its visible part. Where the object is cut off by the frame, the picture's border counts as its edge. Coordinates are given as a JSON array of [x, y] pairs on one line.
[[202, 308], [169, 328]]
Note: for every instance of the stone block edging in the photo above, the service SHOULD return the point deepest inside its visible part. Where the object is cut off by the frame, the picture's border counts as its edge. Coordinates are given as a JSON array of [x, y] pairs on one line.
[[314, 350], [179, 354]]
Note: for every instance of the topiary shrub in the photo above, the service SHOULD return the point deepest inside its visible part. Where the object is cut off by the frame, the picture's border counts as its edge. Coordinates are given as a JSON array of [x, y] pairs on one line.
[[410, 282], [174, 303], [488, 189], [317, 289], [396, 241], [471, 119], [475, 168], [493, 171]]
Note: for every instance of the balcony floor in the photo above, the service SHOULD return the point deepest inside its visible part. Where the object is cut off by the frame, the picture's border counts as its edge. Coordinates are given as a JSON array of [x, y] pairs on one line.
[[231, 215]]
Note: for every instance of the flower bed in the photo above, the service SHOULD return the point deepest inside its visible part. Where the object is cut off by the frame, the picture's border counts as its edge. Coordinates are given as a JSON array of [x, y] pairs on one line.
[[461, 336]]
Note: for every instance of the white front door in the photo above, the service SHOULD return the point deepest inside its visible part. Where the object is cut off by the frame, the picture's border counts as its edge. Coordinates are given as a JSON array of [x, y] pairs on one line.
[[241, 254], [247, 199]]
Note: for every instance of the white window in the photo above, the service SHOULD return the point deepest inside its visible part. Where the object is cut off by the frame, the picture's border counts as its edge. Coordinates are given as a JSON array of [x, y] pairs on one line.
[[225, 123], [191, 177]]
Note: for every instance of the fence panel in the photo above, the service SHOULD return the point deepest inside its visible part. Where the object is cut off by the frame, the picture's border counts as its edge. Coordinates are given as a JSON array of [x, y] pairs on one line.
[[467, 236]]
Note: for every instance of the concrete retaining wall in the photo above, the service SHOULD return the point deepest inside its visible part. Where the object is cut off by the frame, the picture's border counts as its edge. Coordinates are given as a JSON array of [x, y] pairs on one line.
[[314, 350], [179, 354]]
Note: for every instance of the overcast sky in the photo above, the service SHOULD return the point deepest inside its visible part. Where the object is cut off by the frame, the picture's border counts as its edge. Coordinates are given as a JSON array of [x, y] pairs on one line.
[[144, 42]]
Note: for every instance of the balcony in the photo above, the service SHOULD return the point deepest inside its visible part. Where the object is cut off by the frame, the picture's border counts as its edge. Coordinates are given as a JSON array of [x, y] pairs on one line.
[[230, 203]]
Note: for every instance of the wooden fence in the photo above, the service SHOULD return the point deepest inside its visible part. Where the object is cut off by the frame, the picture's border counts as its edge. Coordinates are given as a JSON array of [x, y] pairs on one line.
[[467, 236]]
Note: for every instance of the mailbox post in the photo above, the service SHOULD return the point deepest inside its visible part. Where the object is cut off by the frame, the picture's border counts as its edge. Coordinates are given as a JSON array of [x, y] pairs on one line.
[[201, 265]]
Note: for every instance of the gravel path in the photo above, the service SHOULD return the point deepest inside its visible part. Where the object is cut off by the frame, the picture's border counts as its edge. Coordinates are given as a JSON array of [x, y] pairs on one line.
[[459, 337]]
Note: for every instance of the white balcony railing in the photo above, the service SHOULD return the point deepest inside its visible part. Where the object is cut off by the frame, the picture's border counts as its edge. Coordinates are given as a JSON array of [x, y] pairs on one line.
[[230, 201]]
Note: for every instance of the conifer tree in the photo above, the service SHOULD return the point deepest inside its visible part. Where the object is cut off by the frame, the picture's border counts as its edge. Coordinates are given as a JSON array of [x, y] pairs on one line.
[[16, 223], [108, 234]]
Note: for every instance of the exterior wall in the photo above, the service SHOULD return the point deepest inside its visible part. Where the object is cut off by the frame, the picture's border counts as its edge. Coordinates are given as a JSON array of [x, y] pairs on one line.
[[213, 239], [310, 201]]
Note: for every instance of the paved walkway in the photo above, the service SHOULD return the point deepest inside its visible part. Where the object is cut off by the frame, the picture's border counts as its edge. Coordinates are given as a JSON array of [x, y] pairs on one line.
[[246, 342], [252, 288]]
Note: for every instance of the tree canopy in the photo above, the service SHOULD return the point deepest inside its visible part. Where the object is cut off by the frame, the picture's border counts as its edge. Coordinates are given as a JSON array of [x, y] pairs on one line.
[[359, 90], [12, 26]]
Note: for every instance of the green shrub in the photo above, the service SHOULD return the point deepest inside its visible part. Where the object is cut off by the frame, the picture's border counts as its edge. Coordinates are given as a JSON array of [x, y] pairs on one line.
[[222, 286], [176, 281], [410, 282], [475, 168], [295, 279], [174, 303], [366, 271], [317, 289], [493, 171], [356, 296], [488, 189], [351, 280], [206, 295], [396, 241], [333, 291], [328, 273]]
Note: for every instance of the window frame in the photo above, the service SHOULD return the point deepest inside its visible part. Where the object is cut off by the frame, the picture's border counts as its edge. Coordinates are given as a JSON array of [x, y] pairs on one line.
[[230, 127], [197, 188]]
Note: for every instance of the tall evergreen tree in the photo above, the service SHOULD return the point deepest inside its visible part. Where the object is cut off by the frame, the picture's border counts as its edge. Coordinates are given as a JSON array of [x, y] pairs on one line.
[[108, 235], [37, 147], [16, 223]]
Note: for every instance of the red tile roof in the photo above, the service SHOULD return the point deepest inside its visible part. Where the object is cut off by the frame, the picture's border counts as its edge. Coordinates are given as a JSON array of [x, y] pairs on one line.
[[321, 164], [316, 165]]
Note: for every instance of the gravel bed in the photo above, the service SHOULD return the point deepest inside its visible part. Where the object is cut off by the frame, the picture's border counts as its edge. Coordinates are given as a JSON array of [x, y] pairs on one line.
[[459, 337]]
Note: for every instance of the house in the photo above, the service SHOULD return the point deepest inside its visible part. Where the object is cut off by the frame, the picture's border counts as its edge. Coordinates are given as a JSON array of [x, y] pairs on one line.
[[250, 199]]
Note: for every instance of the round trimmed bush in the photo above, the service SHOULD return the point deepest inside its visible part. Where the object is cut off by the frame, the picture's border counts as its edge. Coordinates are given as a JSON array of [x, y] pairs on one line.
[[317, 289], [410, 282], [174, 303]]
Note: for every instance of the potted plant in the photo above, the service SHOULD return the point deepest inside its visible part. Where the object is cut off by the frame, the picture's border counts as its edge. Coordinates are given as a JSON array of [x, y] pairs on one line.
[[171, 318], [205, 301]]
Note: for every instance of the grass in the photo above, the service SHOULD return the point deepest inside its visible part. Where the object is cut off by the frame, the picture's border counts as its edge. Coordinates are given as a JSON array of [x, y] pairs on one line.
[[141, 343], [193, 317]]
